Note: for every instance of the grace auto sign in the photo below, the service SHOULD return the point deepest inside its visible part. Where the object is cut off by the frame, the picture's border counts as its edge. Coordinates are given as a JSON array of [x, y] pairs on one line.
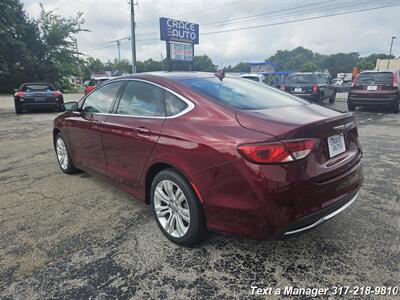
[[179, 31]]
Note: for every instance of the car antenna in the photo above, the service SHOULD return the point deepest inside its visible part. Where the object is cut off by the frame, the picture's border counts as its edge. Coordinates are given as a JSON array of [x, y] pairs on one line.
[[220, 74]]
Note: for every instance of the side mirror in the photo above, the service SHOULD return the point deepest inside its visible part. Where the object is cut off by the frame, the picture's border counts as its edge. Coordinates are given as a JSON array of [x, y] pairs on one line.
[[71, 106]]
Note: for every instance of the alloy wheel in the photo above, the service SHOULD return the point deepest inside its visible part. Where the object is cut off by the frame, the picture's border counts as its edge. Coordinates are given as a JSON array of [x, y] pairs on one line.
[[172, 209], [62, 154]]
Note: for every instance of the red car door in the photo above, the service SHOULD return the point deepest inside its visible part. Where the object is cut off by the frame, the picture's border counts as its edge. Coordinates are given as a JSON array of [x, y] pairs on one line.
[[130, 134], [84, 132]]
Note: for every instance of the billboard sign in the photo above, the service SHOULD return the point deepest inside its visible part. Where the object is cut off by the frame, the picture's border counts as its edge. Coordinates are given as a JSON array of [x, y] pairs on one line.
[[179, 31], [181, 52]]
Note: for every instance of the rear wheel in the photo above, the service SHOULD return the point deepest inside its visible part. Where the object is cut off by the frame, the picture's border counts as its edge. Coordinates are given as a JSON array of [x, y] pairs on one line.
[[351, 107], [63, 155], [177, 209], [18, 109], [395, 107]]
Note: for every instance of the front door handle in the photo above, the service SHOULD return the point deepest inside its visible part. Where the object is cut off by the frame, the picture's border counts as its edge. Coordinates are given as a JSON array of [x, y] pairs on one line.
[[143, 130]]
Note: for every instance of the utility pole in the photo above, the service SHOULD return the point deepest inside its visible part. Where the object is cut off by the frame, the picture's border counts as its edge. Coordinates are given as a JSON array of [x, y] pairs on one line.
[[77, 55], [118, 43], [119, 51], [390, 52], [133, 37]]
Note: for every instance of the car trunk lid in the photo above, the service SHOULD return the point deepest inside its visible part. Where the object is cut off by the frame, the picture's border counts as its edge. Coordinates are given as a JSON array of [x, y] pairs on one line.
[[310, 121]]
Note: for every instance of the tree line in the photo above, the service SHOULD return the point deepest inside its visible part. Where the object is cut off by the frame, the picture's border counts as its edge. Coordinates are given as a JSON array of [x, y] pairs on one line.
[[43, 49]]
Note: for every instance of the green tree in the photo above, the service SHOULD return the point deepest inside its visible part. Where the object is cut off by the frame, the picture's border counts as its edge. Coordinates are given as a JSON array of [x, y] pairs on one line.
[[241, 67], [203, 63], [340, 62], [35, 50], [369, 62]]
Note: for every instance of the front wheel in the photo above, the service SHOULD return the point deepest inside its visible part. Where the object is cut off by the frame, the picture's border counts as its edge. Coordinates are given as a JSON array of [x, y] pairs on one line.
[[177, 209], [63, 155], [18, 109]]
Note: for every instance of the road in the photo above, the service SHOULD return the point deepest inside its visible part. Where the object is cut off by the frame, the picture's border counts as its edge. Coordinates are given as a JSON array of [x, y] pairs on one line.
[[78, 237]]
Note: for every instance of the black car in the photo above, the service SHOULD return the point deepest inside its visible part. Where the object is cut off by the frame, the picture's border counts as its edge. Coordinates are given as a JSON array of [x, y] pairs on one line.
[[37, 95], [375, 88], [311, 86]]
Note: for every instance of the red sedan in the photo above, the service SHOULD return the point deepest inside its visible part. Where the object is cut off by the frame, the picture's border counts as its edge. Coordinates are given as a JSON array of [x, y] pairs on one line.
[[207, 152]]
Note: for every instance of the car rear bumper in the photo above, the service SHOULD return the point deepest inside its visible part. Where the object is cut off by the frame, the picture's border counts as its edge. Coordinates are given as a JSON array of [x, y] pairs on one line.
[[266, 201], [311, 97], [315, 219], [40, 105], [372, 101]]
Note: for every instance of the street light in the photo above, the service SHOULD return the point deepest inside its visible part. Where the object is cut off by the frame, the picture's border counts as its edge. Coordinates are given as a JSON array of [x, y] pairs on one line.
[[390, 52]]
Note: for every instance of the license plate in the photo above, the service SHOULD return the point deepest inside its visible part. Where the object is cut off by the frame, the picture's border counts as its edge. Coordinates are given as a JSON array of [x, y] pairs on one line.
[[372, 88], [298, 90], [40, 99], [336, 145]]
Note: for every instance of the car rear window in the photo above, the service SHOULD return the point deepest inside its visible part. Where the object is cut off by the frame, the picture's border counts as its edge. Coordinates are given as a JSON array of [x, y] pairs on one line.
[[300, 78], [241, 93], [375, 78], [38, 88]]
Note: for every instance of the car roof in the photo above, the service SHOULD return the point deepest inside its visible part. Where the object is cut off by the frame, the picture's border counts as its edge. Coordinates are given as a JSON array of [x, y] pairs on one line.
[[171, 75], [375, 71], [305, 73], [35, 83]]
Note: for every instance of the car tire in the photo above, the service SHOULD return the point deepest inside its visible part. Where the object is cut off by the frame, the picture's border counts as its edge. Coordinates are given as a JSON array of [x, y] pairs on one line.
[[63, 155], [395, 107], [332, 98], [177, 209], [18, 109], [351, 107]]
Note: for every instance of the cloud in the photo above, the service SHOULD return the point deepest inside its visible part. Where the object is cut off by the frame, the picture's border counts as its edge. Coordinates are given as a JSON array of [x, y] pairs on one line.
[[364, 32]]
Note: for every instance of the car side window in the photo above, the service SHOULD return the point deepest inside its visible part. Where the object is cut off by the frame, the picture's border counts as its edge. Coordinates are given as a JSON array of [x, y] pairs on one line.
[[173, 105], [141, 99], [100, 100]]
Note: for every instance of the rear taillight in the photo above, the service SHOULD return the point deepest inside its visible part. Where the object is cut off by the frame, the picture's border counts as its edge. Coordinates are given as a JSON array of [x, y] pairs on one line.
[[315, 88], [395, 80], [280, 152], [56, 94], [19, 94]]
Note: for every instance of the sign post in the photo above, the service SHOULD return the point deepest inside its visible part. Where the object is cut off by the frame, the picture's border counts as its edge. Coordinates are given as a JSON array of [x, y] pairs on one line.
[[180, 37]]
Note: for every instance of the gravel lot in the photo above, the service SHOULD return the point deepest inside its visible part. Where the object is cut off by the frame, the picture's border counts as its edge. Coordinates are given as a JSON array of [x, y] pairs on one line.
[[78, 237]]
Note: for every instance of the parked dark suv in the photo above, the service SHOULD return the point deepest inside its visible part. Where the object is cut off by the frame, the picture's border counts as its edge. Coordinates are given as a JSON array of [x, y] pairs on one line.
[[375, 88], [311, 86]]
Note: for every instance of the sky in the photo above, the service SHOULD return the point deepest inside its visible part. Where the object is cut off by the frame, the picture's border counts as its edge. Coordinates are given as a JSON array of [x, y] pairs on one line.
[[364, 32]]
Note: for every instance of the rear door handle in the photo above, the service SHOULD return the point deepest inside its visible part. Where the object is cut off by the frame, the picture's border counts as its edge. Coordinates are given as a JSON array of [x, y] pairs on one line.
[[143, 130]]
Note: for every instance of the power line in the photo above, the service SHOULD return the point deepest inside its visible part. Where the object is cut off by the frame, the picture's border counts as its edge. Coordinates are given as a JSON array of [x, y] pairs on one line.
[[299, 20], [143, 41], [283, 12]]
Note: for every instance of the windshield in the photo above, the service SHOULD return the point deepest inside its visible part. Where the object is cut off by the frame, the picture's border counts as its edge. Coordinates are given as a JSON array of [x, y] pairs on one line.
[[38, 88], [300, 78], [375, 78], [241, 93]]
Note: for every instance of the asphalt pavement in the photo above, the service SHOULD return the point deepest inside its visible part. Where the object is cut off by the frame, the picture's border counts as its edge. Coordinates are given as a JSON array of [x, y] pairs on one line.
[[78, 236]]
